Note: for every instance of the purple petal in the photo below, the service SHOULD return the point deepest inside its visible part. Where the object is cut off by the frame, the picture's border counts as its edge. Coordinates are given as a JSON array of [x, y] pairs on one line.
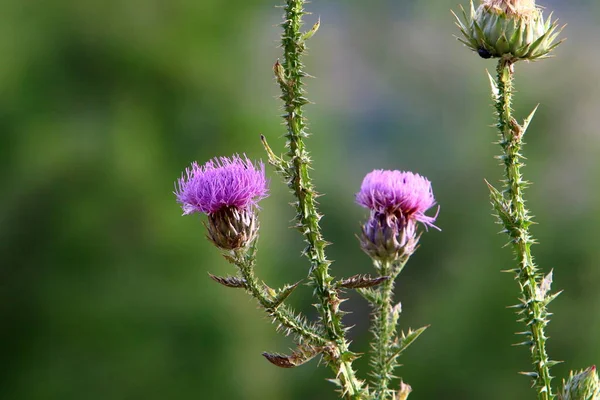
[[221, 182], [390, 192]]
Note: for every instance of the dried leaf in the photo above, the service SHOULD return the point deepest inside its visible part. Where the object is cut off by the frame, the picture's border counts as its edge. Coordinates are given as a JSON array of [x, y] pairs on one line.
[[300, 356], [361, 281], [404, 391], [406, 340], [229, 281], [544, 287]]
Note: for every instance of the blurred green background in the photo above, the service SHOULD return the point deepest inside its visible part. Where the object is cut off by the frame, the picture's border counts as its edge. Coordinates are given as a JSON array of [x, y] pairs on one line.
[[104, 292]]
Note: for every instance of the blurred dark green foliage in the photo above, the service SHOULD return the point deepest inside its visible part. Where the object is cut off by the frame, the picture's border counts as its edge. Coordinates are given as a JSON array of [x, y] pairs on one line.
[[103, 286]]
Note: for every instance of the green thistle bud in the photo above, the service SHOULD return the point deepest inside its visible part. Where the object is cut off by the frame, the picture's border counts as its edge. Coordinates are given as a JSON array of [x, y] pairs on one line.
[[231, 228], [514, 29], [582, 386]]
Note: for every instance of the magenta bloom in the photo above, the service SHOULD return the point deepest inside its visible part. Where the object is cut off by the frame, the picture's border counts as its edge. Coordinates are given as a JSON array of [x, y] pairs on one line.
[[397, 193], [222, 182]]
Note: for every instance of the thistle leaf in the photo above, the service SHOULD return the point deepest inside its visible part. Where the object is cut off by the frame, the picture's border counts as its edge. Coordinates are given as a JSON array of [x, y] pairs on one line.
[[543, 287], [229, 281], [312, 31], [552, 363], [493, 85], [499, 204], [370, 295], [406, 340], [283, 294], [279, 360], [302, 354], [551, 297], [361, 281], [280, 165], [527, 120]]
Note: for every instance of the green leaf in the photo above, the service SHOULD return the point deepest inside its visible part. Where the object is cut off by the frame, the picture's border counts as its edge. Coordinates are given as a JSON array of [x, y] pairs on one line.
[[370, 295], [494, 87], [283, 294], [406, 340], [527, 120], [499, 204], [312, 31], [551, 298]]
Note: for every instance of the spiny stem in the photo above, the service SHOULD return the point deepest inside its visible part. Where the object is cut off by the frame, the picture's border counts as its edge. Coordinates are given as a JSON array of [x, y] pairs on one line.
[[289, 75], [517, 227], [383, 336], [282, 314], [383, 360]]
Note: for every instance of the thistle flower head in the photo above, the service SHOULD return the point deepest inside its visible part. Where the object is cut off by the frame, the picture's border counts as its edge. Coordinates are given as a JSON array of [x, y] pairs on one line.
[[222, 182], [397, 193], [517, 8], [514, 29], [584, 385], [227, 190], [397, 200]]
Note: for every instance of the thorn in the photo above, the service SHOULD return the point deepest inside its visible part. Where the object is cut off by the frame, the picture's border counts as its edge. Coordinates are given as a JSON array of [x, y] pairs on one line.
[[530, 374]]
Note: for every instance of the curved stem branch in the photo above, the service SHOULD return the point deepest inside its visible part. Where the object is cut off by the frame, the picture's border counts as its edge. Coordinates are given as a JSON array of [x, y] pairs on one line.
[[281, 313]]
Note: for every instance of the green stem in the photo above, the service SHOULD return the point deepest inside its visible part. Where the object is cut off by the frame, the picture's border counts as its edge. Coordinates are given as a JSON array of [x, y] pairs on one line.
[[290, 75], [517, 226], [282, 314], [383, 360], [383, 336]]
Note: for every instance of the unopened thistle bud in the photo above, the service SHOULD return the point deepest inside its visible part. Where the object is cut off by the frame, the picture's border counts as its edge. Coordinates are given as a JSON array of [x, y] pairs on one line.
[[514, 29], [582, 386], [397, 200], [227, 190], [386, 238], [231, 228], [404, 391]]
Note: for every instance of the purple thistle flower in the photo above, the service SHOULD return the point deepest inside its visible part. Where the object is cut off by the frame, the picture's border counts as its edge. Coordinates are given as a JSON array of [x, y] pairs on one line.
[[222, 182], [228, 191], [397, 200], [397, 193]]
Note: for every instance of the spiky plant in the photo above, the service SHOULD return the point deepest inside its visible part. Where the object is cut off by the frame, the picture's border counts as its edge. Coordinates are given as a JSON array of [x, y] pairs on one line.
[[512, 31]]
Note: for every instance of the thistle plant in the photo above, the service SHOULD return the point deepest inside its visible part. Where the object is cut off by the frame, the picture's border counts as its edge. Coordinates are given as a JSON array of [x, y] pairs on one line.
[[397, 200], [228, 191], [513, 31]]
